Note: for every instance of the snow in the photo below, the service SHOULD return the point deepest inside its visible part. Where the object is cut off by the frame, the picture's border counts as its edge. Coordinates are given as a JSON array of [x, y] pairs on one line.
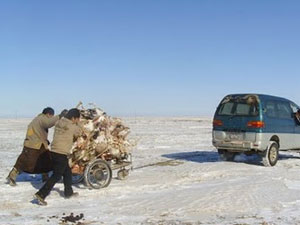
[[177, 178]]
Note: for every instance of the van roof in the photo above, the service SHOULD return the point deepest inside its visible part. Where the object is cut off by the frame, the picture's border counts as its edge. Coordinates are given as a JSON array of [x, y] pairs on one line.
[[261, 96]]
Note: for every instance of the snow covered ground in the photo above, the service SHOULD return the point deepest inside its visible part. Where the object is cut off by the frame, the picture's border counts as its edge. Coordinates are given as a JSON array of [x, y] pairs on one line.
[[177, 178]]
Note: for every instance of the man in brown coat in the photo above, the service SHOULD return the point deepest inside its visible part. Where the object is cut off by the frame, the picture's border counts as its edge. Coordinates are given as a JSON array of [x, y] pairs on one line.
[[35, 157], [66, 132]]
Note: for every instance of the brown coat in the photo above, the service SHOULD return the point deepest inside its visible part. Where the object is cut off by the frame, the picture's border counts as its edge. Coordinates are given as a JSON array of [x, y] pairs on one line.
[[34, 161], [37, 131], [65, 133]]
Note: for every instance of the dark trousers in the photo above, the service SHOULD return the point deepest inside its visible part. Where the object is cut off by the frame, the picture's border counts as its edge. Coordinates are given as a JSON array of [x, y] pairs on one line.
[[60, 169]]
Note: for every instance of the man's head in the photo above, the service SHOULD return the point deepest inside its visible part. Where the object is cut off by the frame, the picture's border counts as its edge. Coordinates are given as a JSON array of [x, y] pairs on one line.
[[48, 111], [73, 115]]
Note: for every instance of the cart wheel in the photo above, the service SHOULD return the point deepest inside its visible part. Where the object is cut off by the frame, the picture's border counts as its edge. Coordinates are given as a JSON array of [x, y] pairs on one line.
[[123, 174], [77, 178], [97, 174]]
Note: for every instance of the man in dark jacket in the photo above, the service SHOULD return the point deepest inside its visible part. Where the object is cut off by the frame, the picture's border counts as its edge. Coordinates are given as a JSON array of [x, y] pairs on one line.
[[66, 132], [297, 117], [35, 157]]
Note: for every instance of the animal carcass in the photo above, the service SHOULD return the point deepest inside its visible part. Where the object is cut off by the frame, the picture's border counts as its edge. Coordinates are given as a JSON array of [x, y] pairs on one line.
[[103, 137]]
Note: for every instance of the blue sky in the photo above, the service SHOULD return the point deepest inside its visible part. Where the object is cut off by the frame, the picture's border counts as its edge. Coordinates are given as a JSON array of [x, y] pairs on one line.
[[151, 57]]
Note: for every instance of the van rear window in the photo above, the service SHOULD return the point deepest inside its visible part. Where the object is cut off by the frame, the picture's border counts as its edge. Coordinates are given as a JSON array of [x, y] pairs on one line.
[[238, 108]]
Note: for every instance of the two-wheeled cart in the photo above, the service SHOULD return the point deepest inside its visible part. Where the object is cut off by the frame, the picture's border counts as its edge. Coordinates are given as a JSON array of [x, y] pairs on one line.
[[98, 172]]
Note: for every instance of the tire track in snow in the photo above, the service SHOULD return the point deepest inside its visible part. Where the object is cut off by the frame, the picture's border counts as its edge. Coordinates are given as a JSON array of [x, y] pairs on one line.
[[184, 156]]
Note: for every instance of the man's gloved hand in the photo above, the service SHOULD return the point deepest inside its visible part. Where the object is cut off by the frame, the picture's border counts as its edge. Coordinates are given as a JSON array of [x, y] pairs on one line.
[[63, 113]]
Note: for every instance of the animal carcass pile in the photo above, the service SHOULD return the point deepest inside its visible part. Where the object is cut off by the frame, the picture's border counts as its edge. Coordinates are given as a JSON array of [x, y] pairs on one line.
[[104, 137]]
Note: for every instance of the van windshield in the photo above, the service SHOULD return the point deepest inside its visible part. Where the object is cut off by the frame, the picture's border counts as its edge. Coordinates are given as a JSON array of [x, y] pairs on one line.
[[238, 107]]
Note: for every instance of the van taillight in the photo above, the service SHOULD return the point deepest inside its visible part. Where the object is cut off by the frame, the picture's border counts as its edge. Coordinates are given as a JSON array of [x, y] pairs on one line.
[[217, 123], [256, 124]]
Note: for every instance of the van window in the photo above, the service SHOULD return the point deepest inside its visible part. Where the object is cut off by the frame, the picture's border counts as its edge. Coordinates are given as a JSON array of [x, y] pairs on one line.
[[242, 109], [284, 110], [271, 109], [294, 107], [278, 109], [226, 108], [238, 108]]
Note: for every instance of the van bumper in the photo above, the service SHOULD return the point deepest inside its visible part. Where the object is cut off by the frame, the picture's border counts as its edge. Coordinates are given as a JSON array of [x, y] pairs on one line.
[[243, 146], [239, 142]]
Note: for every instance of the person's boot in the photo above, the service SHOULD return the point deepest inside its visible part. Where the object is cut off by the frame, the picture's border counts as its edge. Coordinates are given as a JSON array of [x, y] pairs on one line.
[[74, 194], [12, 176], [45, 177], [40, 199]]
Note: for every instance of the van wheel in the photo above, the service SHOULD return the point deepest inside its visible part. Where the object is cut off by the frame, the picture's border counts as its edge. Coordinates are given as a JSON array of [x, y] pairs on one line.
[[270, 156], [226, 155]]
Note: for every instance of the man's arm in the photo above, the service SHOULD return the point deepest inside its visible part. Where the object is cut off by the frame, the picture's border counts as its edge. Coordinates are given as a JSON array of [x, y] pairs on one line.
[[78, 131], [49, 122]]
